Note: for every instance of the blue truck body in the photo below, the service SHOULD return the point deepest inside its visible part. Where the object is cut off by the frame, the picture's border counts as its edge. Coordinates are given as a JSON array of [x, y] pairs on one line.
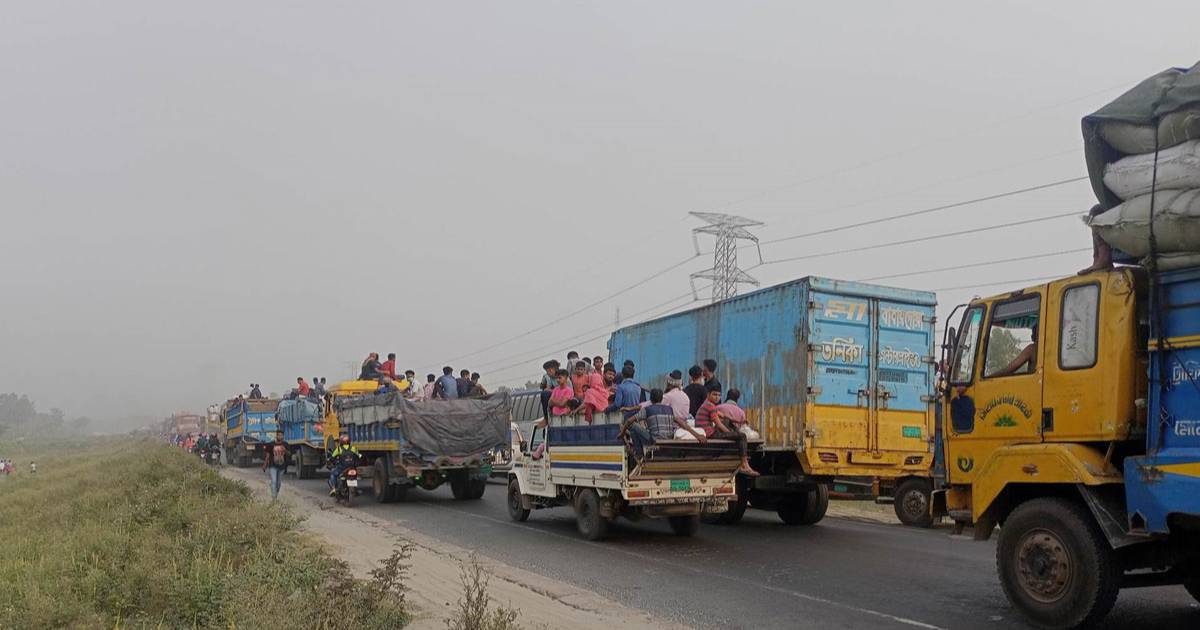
[[837, 378], [1164, 484], [301, 423]]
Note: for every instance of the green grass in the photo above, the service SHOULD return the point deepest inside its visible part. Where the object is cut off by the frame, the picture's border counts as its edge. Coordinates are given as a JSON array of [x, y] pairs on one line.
[[137, 534]]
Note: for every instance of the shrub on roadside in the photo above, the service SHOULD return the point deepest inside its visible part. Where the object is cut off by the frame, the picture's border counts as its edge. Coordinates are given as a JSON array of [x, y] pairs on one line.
[[475, 611], [136, 534]]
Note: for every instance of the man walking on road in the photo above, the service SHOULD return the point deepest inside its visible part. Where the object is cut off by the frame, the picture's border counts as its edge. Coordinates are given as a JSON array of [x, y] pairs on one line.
[[275, 463]]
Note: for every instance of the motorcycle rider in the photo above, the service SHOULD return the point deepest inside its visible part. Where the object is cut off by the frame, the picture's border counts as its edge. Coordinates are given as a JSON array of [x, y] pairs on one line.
[[340, 452], [214, 447]]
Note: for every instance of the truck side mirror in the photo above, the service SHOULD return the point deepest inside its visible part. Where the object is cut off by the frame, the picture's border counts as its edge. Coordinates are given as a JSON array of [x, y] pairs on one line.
[[524, 446]]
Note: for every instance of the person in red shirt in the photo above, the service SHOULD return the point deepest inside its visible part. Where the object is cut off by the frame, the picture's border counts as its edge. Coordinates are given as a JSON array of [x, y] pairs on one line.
[[301, 387], [710, 420], [389, 366]]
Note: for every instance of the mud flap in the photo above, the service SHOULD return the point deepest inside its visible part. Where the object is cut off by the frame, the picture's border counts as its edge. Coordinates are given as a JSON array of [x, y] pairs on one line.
[[1107, 504]]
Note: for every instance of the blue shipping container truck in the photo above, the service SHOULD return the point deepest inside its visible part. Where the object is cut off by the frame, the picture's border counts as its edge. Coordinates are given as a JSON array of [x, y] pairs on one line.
[[248, 423], [1162, 487], [301, 421], [837, 378]]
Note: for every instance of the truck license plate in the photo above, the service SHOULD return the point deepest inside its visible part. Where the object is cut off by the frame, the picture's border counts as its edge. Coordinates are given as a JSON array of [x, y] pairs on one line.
[[681, 485]]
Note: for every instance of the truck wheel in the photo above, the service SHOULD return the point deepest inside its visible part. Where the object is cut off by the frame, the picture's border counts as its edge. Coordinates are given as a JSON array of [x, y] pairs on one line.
[[1193, 586], [805, 509], [591, 524], [300, 466], [911, 501], [460, 485], [476, 488], [685, 526], [1055, 565], [379, 481], [515, 511]]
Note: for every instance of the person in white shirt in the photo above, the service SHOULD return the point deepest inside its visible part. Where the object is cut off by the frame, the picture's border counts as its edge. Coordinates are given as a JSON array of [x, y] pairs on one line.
[[675, 397], [415, 391]]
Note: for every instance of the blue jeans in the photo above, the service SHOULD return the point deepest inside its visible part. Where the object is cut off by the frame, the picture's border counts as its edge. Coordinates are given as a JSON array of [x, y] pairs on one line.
[[276, 480], [333, 474], [640, 438]]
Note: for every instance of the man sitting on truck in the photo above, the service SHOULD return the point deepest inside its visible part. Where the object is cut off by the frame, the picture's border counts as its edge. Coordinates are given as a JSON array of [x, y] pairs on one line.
[[342, 457], [710, 420], [656, 421], [629, 394]]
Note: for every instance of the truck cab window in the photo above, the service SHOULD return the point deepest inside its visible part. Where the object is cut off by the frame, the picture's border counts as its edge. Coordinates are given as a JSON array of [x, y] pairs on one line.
[[539, 436], [1079, 327], [1012, 341], [964, 348]]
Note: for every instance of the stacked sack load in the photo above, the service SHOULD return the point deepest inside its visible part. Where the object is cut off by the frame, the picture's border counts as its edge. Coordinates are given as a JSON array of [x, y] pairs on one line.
[[1120, 147]]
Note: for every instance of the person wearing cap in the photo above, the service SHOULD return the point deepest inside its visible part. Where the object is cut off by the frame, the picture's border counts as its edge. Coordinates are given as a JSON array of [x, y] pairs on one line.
[[710, 420], [674, 396]]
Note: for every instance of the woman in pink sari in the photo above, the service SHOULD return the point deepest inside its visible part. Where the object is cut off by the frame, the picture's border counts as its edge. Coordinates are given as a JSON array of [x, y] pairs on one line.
[[595, 395]]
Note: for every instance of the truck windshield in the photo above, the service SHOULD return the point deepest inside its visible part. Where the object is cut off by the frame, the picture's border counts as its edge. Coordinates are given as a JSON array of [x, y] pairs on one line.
[[963, 365]]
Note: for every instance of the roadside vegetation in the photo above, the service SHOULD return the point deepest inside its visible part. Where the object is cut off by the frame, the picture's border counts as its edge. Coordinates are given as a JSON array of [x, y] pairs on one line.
[[135, 534], [474, 610]]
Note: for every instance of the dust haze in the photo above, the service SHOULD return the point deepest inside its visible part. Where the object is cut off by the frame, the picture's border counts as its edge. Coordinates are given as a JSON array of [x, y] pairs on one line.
[[199, 196]]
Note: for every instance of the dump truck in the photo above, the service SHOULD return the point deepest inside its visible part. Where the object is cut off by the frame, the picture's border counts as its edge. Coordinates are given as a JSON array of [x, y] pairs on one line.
[[572, 462], [185, 424], [249, 425], [837, 378], [301, 421], [1071, 421], [422, 444]]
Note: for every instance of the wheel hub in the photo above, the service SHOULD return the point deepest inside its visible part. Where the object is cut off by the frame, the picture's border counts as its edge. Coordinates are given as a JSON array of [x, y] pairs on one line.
[[1044, 565], [915, 503]]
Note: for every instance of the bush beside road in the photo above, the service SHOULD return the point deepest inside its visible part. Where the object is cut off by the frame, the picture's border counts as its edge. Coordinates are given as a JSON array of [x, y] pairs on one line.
[[132, 533]]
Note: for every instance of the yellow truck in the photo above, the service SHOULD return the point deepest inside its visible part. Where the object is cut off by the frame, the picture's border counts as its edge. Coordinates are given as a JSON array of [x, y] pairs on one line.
[[1047, 395]]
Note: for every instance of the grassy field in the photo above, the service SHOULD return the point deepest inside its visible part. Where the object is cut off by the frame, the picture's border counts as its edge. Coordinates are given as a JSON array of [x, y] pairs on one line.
[[136, 534]]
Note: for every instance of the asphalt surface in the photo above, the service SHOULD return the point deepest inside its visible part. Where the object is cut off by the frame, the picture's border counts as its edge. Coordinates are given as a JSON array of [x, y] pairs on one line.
[[760, 574]]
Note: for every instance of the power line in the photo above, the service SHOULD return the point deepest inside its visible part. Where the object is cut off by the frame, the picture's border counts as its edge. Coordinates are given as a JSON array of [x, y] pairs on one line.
[[999, 282], [918, 145], [913, 213], [922, 239], [985, 263], [578, 311]]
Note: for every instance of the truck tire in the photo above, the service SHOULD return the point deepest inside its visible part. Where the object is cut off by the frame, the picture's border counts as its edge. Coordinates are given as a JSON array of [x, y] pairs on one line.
[[1055, 565], [1192, 585], [685, 526], [588, 520], [476, 488], [301, 473], [911, 501], [515, 511], [805, 509]]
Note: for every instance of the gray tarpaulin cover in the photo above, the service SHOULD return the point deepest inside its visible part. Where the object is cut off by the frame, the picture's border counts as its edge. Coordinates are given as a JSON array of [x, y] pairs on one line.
[[1167, 103], [454, 428]]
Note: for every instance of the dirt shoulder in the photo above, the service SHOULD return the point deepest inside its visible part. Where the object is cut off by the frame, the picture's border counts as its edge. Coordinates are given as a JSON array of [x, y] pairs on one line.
[[363, 540]]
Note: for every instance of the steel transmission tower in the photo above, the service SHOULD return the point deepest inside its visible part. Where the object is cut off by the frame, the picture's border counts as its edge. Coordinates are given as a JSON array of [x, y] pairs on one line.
[[725, 273]]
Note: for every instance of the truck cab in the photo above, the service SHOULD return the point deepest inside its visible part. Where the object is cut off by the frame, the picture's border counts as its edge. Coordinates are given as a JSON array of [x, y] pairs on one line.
[[1045, 399]]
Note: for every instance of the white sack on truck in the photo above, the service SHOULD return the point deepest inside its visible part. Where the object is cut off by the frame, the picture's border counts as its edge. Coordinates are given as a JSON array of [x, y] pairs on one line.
[[1134, 176], [1166, 106], [1176, 223]]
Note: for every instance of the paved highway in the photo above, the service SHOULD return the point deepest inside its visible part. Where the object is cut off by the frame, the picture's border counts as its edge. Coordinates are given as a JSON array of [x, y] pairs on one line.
[[761, 574]]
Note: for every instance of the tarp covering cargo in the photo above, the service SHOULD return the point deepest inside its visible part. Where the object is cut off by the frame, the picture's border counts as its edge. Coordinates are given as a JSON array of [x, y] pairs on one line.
[[1167, 105], [454, 428], [1177, 168], [298, 411]]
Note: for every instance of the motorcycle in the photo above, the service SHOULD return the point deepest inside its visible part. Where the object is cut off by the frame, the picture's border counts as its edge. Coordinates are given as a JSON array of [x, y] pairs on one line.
[[212, 457], [347, 485]]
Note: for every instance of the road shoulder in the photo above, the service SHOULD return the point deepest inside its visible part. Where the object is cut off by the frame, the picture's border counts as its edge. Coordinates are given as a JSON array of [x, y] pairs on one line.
[[363, 540]]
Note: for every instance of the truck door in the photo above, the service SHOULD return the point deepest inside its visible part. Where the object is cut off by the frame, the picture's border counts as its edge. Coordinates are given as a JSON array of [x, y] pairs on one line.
[[538, 469], [838, 406], [903, 378], [1000, 361]]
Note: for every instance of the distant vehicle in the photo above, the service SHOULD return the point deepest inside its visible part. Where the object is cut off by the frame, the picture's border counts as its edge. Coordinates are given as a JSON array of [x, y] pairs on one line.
[[249, 425], [419, 444], [526, 410], [837, 377], [585, 466], [303, 430]]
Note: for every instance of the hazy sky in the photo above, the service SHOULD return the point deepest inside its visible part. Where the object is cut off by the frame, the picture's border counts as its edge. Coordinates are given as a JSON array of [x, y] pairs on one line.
[[194, 196]]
